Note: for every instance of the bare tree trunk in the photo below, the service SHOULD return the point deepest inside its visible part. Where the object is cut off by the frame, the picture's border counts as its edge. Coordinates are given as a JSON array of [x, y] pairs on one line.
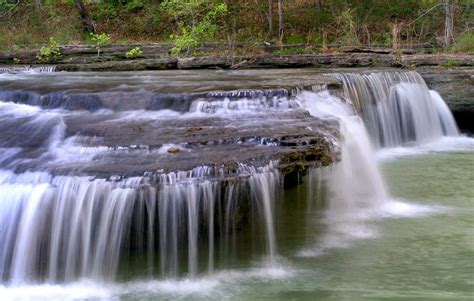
[[396, 28], [448, 24], [319, 4], [325, 41], [280, 20], [87, 23], [38, 7], [270, 17]]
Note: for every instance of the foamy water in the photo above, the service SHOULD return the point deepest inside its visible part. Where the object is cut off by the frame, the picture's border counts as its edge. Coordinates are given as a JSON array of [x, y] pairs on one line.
[[220, 285], [444, 144]]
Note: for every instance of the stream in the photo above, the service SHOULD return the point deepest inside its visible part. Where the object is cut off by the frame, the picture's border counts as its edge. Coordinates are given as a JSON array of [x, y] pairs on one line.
[[95, 206]]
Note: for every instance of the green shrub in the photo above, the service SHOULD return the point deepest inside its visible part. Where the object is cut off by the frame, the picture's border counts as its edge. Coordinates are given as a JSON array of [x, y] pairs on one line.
[[197, 21], [295, 39], [133, 53], [49, 53], [99, 39]]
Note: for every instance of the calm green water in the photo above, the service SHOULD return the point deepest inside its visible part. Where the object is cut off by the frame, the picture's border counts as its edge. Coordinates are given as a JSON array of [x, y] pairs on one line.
[[418, 247], [424, 251]]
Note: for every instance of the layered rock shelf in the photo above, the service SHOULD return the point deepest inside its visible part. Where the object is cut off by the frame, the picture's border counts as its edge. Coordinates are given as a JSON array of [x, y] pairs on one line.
[[108, 129], [157, 57]]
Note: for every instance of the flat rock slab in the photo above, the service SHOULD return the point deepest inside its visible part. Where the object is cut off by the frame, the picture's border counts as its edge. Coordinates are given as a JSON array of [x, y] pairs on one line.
[[129, 124]]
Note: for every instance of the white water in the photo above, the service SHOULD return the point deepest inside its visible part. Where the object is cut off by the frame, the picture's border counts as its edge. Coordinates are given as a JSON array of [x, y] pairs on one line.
[[241, 106], [355, 184], [66, 228], [82, 225], [359, 179], [29, 69], [217, 286], [356, 190], [398, 108]]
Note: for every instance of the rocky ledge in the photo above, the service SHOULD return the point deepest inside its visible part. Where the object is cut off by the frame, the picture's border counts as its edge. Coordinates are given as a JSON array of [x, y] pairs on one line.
[[111, 130], [157, 57]]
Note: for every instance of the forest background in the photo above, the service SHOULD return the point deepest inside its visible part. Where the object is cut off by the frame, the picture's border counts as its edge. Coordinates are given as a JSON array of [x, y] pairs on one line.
[[446, 25]]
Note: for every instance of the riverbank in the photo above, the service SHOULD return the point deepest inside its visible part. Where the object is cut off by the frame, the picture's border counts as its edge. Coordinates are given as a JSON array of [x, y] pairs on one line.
[[157, 57]]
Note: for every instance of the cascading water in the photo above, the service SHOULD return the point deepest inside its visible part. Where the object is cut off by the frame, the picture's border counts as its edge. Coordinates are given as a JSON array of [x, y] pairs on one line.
[[398, 108], [61, 228], [65, 215], [355, 185], [29, 69], [57, 228], [358, 177]]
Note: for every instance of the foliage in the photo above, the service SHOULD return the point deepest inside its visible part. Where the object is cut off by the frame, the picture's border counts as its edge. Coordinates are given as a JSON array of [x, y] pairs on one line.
[[50, 52], [449, 63], [192, 22], [347, 28], [99, 39], [387, 39], [464, 44], [133, 53], [7, 6], [197, 21], [16, 60], [295, 39]]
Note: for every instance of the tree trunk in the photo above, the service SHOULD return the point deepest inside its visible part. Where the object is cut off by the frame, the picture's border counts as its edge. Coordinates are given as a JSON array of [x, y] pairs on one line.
[[396, 28], [448, 24], [38, 8], [87, 23], [280, 20], [270, 17], [319, 4]]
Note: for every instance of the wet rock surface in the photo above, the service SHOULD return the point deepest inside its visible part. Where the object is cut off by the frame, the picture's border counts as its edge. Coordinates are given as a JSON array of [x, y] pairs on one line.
[[106, 127], [138, 146]]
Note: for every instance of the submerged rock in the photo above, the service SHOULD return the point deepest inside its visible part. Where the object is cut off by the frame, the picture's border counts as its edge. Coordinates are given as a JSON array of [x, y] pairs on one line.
[[173, 150]]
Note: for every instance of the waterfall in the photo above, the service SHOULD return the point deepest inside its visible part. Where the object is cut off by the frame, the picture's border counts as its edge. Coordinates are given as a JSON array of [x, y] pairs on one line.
[[398, 108], [60, 227], [63, 228], [29, 69], [357, 181], [75, 201], [353, 187]]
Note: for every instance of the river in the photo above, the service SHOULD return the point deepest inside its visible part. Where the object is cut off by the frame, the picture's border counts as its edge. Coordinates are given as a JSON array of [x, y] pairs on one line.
[[392, 220]]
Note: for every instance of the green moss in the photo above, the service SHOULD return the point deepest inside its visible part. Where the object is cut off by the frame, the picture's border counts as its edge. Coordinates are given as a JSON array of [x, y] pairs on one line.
[[449, 63]]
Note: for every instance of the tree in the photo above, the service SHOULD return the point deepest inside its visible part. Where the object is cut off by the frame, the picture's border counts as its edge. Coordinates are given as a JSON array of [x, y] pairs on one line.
[[270, 17], [198, 21], [87, 23], [280, 20], [448, 24]]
